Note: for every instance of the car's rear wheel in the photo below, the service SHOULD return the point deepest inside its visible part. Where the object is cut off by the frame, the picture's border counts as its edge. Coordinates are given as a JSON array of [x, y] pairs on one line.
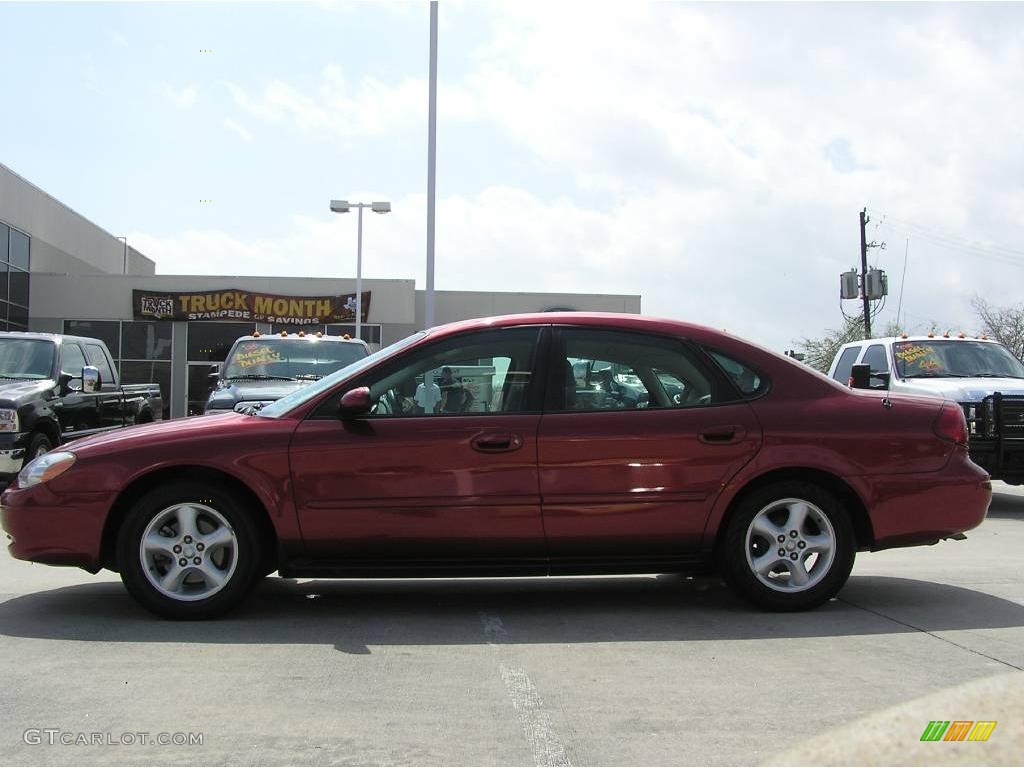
[[789, 546], [189, 551]]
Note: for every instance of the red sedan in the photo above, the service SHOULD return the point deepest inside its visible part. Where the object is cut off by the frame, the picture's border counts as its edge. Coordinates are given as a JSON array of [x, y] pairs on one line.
[[539, 444]]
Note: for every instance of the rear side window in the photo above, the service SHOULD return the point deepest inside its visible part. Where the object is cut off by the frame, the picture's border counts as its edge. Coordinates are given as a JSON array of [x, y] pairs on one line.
[[845, 364], [98, 358], [748, 381]]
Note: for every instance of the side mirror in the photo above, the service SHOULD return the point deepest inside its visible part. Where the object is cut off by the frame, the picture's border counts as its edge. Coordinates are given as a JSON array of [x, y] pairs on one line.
[[214, 373], [355, 402], [91, 379], [860, 376], [883, 376]]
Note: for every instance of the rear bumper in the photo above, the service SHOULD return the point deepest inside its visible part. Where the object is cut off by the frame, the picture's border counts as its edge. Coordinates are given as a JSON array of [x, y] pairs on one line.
[[44, 528], [923, 508]]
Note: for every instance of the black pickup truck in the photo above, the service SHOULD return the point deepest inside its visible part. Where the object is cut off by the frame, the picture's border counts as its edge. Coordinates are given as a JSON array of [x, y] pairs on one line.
[[55, 388]]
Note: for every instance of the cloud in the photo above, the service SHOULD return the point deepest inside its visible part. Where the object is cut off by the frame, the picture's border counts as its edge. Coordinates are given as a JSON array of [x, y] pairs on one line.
[[716, 158], [181, 98], [369, 107], [237, 129]]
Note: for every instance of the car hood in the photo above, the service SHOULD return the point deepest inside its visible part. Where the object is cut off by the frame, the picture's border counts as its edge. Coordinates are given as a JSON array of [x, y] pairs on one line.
[[227, 397], [962, 390], [192, 428], [14, 392]]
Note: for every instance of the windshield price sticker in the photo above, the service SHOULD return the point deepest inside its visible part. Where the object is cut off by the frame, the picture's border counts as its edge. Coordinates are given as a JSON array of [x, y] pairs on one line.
[[257, 355]]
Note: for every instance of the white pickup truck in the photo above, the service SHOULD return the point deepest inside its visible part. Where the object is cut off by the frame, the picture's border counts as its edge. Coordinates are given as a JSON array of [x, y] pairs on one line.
[[979, 374]]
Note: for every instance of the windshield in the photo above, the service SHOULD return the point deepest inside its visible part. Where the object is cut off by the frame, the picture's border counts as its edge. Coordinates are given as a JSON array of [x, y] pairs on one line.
[[304, 395], [26, 358], [289, 359], [954, 359]]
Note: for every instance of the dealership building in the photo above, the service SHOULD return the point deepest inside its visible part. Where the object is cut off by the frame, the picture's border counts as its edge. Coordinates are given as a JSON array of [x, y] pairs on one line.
[[63, 274]]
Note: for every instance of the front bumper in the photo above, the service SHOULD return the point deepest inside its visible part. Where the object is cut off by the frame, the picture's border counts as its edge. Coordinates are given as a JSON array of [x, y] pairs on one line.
[[57, 530]]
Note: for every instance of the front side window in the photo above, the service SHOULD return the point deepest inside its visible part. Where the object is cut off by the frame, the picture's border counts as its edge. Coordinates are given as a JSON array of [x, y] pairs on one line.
[[73, 361], [484, 372], [605, 370], [845, 365]]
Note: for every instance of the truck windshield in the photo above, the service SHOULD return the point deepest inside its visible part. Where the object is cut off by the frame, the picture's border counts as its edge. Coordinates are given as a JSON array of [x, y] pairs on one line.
[[292, 359], [955, 359], [304, 395], [26, 358]]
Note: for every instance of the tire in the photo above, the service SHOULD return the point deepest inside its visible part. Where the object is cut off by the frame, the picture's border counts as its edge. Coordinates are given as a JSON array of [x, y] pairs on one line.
[[206, 528], [814, 564], [37, 446]]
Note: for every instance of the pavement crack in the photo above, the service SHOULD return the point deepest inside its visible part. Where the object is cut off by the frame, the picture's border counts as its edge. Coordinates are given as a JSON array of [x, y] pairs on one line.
[[930, 634]]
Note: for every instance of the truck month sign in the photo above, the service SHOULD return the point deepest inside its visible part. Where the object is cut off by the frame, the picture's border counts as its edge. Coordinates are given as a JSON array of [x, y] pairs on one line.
[[232, 304]]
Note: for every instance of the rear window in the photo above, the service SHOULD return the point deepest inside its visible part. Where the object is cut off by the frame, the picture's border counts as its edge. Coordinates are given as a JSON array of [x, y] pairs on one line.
[[845, 364]]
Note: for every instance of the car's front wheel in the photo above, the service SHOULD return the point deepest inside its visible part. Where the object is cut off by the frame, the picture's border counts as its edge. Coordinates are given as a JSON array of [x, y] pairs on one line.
[[789, 546], [188, 551]]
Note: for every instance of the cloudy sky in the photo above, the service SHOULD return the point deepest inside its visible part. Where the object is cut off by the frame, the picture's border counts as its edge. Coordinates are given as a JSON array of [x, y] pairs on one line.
[[710, 157]]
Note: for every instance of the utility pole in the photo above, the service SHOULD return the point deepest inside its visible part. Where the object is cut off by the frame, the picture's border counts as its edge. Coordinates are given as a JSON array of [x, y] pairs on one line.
[[864, 270]]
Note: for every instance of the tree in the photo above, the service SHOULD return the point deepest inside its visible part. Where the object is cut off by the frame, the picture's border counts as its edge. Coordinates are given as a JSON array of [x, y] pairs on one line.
[[1004, 324], [820, 352]]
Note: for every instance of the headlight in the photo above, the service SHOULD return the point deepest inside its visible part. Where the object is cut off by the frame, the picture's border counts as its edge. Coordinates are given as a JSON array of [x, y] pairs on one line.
[[8, 420], [45, 468]]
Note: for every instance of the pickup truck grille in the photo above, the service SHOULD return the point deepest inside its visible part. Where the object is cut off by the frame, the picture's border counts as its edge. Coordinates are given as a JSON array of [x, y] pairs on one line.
[[995, 427]]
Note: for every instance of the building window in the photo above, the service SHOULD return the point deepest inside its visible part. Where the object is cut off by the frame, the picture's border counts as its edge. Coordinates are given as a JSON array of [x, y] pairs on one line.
[[208, 343], [15, 259], [144, 340], [19, 250], [211, 342], [108, 331]]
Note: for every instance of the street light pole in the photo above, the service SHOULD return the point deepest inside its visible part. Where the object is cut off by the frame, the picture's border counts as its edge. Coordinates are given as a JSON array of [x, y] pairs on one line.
[[344, 206], [359, 276]]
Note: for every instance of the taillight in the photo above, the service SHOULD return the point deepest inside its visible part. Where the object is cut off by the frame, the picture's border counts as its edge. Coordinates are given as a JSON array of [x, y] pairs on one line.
[[951, 424]]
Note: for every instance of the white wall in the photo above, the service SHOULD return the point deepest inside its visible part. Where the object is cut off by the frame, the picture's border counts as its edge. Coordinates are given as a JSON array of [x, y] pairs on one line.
[[63, 240], [451, 306]]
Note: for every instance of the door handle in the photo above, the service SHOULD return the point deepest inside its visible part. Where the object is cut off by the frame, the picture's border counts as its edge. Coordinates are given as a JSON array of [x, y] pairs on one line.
[[496, 442], [722, 435]]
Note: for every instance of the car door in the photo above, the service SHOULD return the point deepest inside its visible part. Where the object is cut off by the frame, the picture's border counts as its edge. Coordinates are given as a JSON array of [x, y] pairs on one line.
[[110, 401], [633, 475], [428, 478], [77, 411]]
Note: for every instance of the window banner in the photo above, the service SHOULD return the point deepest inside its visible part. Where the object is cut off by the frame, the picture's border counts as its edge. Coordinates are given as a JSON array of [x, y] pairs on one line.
[[232, 304]]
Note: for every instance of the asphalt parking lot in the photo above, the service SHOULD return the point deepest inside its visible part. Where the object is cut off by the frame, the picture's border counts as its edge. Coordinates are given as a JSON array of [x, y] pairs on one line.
[[613, 671]]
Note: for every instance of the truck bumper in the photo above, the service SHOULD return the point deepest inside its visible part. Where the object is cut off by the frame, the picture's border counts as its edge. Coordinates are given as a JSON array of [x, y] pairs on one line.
[[12, 453]]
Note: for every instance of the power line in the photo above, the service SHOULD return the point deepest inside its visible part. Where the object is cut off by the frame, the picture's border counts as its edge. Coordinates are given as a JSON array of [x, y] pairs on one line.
[[956, 242]]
